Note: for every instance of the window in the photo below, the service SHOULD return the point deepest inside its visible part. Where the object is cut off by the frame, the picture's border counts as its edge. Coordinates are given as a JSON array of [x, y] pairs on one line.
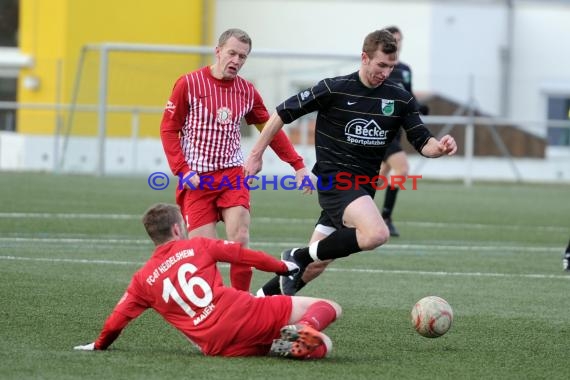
[[559, 109], [8, 93], [9, 23]]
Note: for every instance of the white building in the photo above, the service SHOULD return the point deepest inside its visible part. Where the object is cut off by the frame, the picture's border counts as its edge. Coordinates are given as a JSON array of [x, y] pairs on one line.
[[507, 58], [511, 56]]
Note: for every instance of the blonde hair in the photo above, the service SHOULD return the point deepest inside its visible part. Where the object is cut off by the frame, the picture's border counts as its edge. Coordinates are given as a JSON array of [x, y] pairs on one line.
[[239, 34]]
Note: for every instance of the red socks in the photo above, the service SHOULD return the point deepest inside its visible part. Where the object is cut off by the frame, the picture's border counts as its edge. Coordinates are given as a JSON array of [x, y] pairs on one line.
[[319, 315]]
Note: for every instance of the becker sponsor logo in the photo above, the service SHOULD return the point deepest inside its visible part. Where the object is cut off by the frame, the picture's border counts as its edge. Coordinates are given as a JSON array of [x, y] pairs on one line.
[[365, 132]]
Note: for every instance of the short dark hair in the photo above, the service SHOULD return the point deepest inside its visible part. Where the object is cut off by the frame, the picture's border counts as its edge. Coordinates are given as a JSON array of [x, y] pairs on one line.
[[239, 34], [393, 29], [382, 39], [158, 221]]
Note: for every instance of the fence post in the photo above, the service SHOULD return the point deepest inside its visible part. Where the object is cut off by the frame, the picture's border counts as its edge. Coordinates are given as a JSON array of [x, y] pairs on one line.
[[469, 137], [102, 109]]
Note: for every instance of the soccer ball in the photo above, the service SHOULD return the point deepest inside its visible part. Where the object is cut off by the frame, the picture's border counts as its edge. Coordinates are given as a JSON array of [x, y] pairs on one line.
[[432, 316]]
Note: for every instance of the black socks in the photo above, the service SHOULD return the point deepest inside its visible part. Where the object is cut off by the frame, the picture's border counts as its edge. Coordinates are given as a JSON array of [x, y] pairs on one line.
[[389, 202]]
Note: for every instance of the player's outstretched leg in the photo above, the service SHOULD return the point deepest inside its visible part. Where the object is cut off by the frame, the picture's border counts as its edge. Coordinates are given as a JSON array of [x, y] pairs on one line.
[[301, 341]]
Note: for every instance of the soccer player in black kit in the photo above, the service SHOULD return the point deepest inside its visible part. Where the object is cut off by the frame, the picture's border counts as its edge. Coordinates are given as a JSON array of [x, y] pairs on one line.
[[358, 115], [395, 160]]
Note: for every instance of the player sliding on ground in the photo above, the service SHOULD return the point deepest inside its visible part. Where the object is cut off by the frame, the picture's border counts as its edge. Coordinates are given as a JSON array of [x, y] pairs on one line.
[[182, 283]]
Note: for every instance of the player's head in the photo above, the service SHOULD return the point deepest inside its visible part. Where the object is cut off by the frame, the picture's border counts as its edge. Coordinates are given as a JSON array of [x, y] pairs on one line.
[[397, 33], [163, 222], [234, 45], [379, 56], [380, 40], [238, 34]]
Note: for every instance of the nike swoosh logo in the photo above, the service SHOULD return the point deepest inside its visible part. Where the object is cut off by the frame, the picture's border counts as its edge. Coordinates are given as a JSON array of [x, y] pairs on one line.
[[350, 103]]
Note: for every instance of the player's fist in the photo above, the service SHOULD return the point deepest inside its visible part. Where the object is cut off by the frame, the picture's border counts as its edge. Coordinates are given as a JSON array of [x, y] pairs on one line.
[[292, 268], [447, 145]]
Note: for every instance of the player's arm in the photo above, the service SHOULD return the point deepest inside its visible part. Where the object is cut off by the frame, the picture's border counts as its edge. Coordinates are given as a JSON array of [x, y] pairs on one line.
[[173, 120], [254, 161], [428, 145], [421, 138], [436, 148], [267, 263], [128, 309], [235, 253], [271, 134], [291, 109], [284, 149]]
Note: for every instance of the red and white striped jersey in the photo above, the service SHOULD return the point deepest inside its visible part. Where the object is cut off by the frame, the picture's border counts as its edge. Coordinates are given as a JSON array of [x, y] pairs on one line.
[[200, 128]]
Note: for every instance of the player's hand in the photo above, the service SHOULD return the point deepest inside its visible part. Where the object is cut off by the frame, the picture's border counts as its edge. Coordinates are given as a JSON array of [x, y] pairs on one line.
[[304, 181], [190, 180], [292, 269], [447, 145], [87, 347], [253, 165], [437, 148]]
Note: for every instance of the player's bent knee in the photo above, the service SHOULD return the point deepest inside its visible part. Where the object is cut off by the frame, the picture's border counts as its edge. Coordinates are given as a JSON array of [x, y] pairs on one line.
[[337, 308], [402, 172], [374, 240]]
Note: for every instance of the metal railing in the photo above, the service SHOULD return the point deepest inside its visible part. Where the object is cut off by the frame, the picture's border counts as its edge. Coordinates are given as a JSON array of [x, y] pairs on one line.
[[469, 122]]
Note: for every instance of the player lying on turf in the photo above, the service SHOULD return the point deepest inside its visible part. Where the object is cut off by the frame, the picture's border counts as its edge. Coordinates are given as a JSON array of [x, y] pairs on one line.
[[182, 283]]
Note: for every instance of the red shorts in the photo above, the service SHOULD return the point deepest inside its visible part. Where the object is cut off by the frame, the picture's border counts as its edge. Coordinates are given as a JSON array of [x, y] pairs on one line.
[[218, 190], [254, 330]]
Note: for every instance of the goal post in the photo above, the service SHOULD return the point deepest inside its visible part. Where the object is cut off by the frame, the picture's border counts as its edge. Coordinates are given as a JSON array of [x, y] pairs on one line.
[[276, 71]]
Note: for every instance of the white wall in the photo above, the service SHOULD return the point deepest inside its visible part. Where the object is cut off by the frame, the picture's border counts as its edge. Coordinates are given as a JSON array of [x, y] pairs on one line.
[[143, 157], [319, 26], [541, 56], [466, 41], [445, 42]]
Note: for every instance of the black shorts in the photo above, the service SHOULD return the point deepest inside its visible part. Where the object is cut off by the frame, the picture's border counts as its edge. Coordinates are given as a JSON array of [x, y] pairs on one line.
[[334, 201], [395, 146]]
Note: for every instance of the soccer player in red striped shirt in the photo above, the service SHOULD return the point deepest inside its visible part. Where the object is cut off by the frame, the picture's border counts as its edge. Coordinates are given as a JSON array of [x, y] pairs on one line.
[[182, 283], [200, 132]]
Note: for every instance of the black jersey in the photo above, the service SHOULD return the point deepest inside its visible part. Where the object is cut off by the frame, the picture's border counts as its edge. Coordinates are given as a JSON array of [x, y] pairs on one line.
[[355, 123], [402, 75]]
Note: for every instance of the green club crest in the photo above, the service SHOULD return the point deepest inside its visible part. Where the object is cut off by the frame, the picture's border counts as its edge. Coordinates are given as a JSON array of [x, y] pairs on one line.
[[387, 107]]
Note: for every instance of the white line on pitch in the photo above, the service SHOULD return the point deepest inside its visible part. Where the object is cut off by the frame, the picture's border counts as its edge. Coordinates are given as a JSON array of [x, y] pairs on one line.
[[264, 220], [440, 246], [345, 270], [46, 215]]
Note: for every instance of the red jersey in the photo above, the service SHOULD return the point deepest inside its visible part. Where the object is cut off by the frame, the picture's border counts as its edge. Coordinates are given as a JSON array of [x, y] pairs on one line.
[[183, 284], [200, 128]]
